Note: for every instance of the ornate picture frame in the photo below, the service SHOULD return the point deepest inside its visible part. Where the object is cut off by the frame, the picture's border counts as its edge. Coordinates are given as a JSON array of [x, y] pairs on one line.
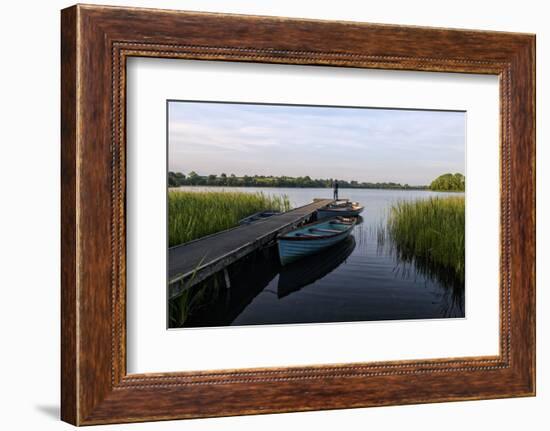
[[96, 41]]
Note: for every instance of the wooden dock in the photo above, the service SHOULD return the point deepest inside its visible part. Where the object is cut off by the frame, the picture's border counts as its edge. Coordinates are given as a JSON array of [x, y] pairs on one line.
[[193, 262]]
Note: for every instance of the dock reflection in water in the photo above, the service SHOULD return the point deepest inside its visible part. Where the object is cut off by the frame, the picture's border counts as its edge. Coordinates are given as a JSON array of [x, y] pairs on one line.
[[214, 303]]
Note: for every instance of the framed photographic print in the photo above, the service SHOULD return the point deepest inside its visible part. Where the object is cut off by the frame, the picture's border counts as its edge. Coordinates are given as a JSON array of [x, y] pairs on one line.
[[319, 214], [303, 245]]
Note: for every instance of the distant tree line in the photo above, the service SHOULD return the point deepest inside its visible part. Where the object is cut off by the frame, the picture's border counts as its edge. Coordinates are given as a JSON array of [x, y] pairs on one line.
[[176, 179], [449, 183]]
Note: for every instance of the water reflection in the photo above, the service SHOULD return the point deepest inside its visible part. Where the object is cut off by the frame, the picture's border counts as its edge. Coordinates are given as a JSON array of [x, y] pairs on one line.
[[218, 303], [450, 296]]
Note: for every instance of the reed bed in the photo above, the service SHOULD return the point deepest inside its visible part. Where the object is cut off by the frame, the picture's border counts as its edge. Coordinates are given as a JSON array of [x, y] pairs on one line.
[[430, 231], [192, 215]]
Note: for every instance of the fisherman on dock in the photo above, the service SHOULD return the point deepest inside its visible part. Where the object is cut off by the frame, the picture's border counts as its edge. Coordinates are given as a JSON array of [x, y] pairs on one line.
[[335, 188]]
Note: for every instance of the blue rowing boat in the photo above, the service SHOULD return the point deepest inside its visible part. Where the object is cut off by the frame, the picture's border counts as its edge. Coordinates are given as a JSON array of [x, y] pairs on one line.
[[313, 238]]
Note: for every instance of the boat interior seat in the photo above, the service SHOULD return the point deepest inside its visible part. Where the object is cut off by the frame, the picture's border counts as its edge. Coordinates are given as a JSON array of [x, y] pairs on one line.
[[314, 229], [305, 235]]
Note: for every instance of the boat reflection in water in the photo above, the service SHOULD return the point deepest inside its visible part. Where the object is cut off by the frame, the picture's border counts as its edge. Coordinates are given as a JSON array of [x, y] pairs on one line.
[[306, 271]]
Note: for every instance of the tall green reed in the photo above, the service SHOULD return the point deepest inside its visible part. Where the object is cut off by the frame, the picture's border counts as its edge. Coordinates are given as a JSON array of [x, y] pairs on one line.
[[192, 215], [430, 231]]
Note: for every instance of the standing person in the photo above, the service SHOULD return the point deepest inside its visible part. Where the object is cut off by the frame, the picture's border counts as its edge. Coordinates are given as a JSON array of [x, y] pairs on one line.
[[335, 188]]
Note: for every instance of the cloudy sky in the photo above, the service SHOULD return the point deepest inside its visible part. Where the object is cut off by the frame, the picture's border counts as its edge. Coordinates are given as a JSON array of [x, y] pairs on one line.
[[375, 145]]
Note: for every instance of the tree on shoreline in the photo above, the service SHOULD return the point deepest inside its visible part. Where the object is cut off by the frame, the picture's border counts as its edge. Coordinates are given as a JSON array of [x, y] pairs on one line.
[[176, 179], [449, 183]]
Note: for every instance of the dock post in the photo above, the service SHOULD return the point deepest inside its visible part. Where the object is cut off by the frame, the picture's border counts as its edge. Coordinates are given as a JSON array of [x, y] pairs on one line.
[[226, 276]]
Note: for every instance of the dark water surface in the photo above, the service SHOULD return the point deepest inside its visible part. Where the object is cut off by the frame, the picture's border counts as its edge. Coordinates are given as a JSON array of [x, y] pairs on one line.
[[360, 279]]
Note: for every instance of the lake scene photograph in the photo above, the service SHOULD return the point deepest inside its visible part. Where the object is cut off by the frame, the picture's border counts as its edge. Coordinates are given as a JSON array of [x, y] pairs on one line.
[[301, 214]]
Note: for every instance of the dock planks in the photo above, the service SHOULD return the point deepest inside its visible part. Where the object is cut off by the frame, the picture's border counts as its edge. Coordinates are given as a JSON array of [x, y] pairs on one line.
[[203, 257]]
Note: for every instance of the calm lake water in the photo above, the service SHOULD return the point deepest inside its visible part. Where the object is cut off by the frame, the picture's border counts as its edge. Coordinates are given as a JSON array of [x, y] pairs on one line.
[[360, 279]]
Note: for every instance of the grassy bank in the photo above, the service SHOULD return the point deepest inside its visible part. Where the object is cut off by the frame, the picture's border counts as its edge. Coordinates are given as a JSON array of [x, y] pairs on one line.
[[192, 215], [430, 231]]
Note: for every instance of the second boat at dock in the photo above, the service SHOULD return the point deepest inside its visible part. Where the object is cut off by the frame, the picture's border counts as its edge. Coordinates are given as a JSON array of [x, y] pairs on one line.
[[342, 208]]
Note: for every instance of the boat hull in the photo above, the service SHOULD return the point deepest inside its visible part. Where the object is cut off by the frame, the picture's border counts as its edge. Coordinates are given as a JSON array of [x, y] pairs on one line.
[[347, 212], [291, 249]]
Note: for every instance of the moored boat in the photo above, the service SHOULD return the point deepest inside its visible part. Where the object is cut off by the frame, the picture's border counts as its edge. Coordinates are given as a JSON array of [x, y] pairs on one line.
[[262, 215], [347, 209], [313, 238]]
